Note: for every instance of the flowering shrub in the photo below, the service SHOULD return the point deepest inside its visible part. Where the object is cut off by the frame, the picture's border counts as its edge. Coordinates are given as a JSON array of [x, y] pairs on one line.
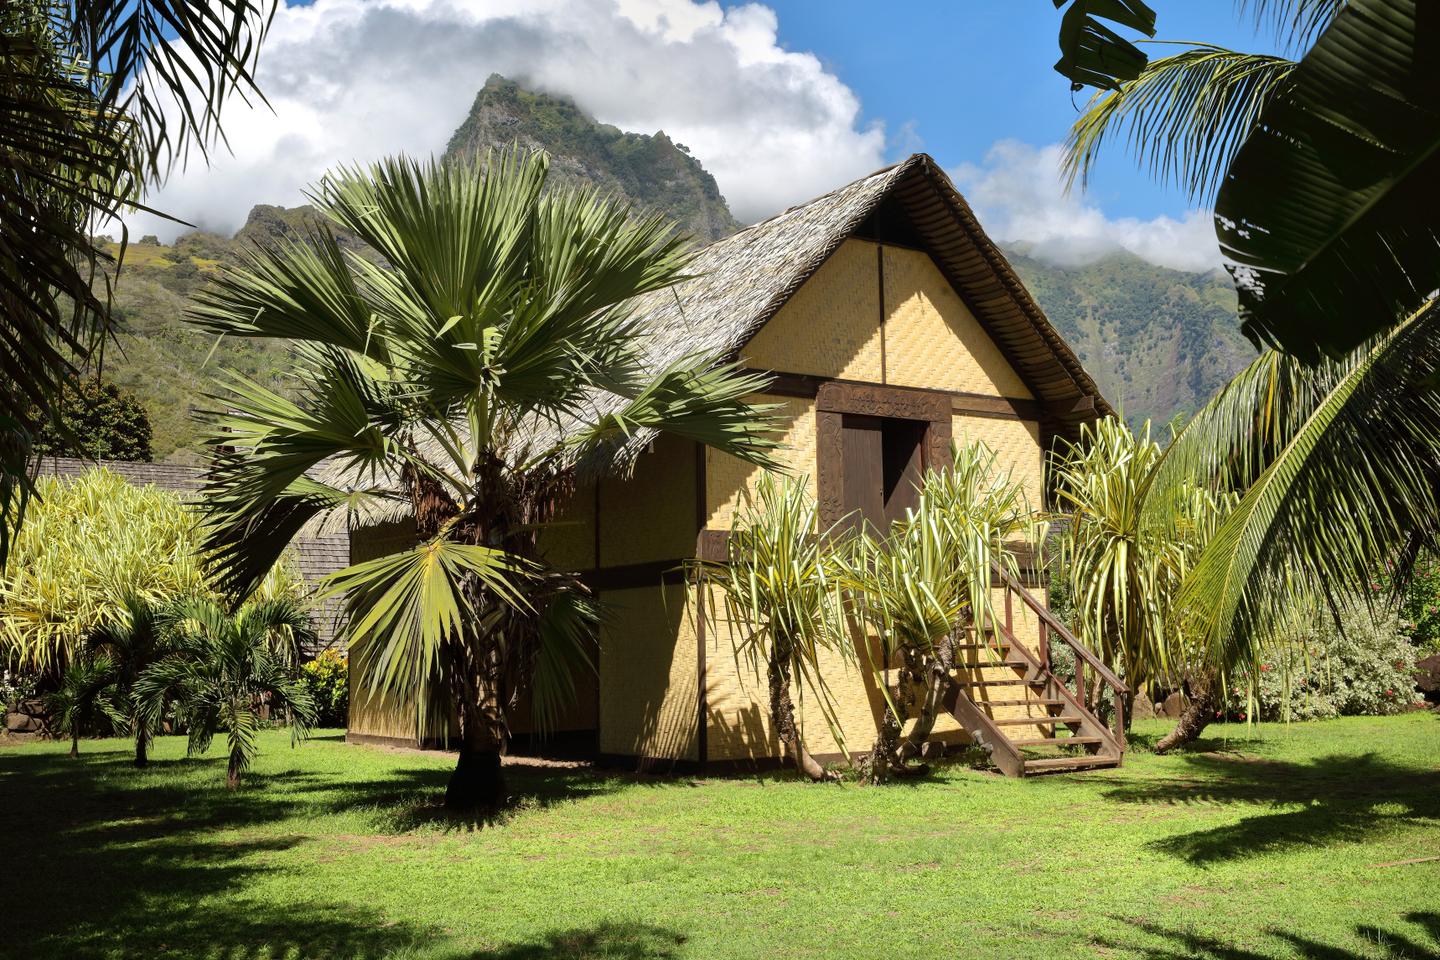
[[15, 687], [1421, 605], [1366, 665], [328, 679]]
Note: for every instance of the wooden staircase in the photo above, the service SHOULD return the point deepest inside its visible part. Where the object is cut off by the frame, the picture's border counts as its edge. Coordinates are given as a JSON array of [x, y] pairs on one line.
[[1007, 699]]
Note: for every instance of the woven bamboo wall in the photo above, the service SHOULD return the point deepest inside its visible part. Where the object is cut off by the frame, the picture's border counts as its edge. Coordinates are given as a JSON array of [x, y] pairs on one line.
[[831, 326], [651, 514], [932, 339], [569, 543], [727, 478], [649, 678], [1017, 446]]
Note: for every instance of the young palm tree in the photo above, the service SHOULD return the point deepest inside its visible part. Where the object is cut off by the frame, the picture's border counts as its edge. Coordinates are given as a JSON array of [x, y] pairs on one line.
[[85, 701], [782, 603], [130, 643], [920, 587], [224, 669], [465, 384]]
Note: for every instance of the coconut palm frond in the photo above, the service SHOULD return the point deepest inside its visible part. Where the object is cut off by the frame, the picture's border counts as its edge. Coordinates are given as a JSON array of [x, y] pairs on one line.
[[1348, 482], [1184, 117]]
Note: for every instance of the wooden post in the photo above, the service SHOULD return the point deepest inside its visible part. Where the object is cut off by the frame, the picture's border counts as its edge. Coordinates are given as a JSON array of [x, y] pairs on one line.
[[1044, 644], [1009, 611], [1119, 717], [1080, 682]]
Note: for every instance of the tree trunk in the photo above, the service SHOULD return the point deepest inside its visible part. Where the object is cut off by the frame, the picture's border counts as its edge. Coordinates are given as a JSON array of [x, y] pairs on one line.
[[142, 742], [478, 782], [74, 745], [1197, 715], [232, 773], [937, 678], [782, 714]]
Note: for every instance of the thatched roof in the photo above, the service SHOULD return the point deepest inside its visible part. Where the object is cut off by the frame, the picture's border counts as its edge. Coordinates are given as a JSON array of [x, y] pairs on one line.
[[740, 282], [743, 280]]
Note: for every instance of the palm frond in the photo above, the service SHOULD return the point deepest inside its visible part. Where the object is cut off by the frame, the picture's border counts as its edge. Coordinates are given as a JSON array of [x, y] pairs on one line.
[[1328, 211], [1349, 482], [1092, 54], [1184, 117]]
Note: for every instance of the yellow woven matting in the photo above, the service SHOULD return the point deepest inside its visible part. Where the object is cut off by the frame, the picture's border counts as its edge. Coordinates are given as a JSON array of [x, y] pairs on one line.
[[1017, 447], [728, 478], [651, 515], [932, 339], [830, 327], [649, 684]]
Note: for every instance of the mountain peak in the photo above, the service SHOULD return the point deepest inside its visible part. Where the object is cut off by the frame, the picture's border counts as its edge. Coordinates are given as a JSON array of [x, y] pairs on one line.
[[652, 172]]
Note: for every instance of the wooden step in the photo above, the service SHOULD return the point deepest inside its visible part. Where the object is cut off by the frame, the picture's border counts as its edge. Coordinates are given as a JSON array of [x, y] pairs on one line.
[[1030, 721], [1017, 682], [1057, 742], [982, 664], [982, 646], [1058, 764], [1033, 701]]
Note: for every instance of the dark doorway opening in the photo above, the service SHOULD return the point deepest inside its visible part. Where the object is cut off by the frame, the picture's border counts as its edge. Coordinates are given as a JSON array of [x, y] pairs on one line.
[[883, 465]]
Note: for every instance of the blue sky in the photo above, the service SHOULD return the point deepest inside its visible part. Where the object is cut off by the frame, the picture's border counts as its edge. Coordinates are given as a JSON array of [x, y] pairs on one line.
[[781, 100], [965, 73]]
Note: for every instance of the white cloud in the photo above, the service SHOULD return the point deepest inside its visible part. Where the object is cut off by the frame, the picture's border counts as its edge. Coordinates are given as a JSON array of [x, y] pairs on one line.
[[352, 80], [1019, 196]]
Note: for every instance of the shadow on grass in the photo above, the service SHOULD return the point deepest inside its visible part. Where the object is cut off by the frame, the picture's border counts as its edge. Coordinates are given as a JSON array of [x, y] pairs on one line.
[[106, 860], [1421, 939], [1344, 798], [611, 941]]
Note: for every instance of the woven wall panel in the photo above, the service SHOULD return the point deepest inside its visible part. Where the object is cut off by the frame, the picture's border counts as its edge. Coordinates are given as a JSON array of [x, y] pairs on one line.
[[650, 515], [727, 477], [649, 681], [1017, 445], [932, 339], [831, 326]]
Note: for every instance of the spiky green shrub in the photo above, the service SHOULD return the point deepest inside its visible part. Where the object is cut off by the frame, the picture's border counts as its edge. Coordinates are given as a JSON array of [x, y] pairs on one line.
[[86, 543]]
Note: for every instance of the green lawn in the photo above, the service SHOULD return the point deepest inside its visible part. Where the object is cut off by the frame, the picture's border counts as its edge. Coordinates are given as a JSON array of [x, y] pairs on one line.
[[1271, 842]]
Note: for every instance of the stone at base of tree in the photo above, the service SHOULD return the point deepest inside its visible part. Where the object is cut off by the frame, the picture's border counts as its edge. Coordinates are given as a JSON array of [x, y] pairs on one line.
[[1144, 708], [21, 723], [1427, 677], [1175, 705], [932, 750]]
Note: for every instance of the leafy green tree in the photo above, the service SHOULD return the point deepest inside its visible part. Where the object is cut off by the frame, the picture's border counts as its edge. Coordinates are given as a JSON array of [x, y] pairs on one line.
[[225, 669], [467, 384], [920, 587], [97, 421], [97, 99], [780, 598]]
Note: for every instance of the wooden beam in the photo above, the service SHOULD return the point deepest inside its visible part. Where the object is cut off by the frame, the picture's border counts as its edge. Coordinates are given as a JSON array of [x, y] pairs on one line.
[[808, 386]]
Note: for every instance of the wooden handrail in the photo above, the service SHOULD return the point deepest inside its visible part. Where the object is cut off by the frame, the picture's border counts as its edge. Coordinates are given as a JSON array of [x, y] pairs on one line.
[[1081, 651]]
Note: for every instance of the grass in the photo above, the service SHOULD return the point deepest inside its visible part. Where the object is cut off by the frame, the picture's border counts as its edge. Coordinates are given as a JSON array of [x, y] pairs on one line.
[[1272, 841]]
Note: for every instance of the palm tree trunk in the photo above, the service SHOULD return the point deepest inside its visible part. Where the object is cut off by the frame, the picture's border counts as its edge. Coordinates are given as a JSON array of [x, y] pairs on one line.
[[232, 772], [782, 714], [141, 757], [1197, 715], [74, 744], [478, 781]]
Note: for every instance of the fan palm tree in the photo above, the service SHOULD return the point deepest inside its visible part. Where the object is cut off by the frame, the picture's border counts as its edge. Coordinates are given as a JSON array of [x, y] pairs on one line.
[[224, 669], [97, 99], [781, 601], [466, 385], [921, 586]]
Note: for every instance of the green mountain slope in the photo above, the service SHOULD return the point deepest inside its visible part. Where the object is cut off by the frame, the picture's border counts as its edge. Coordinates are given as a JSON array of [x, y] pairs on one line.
[[1158, 341]]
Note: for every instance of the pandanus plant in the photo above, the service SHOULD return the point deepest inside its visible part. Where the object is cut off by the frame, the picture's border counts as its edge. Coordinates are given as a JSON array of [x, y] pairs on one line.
[[920, 588], [778, 594]]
